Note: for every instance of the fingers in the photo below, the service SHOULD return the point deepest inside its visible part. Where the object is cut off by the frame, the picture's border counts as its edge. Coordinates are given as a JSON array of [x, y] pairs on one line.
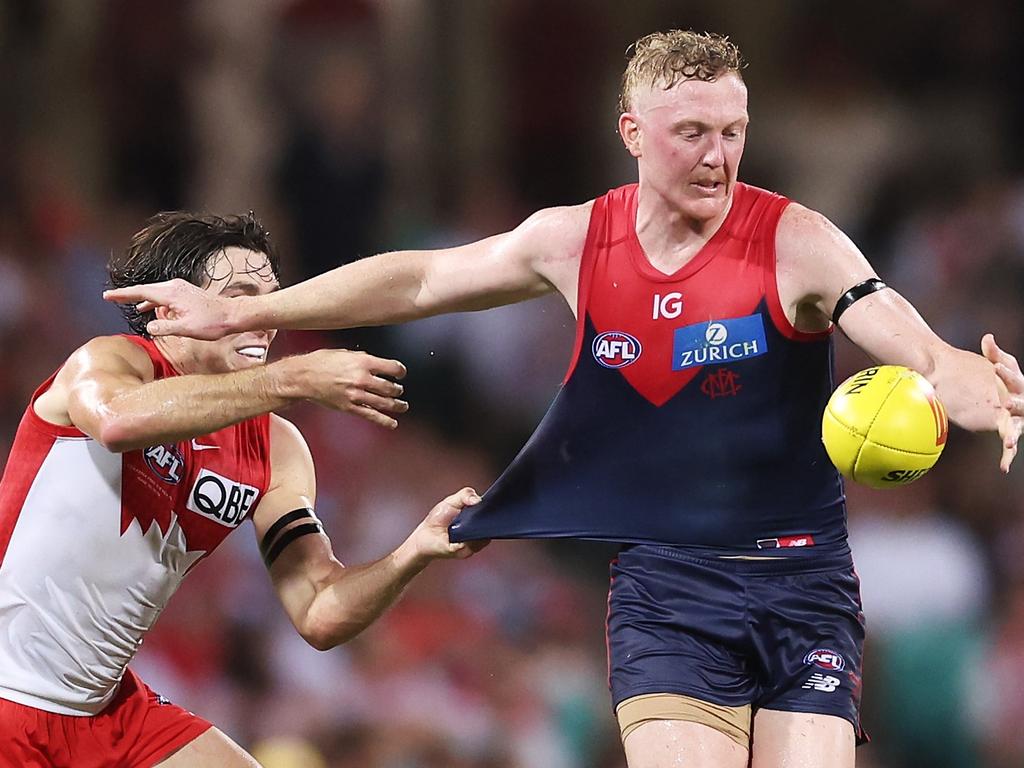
[[383, 387], [1011, 377], [165, 328], [1007, 459], [997, 356], [152, 293], [384, 404], [379, 366], [449, 508], [374, 417]]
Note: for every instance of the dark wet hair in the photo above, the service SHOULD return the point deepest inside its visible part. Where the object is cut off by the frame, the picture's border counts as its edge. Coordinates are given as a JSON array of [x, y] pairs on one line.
[[181, 244]]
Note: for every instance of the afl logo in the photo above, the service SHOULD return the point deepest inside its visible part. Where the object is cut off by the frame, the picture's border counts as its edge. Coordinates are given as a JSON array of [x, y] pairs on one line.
[[826, 658], [616, 349], [166, 462]]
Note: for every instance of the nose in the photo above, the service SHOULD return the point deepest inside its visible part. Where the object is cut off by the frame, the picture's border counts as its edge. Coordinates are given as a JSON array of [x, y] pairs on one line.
[[714, 152]]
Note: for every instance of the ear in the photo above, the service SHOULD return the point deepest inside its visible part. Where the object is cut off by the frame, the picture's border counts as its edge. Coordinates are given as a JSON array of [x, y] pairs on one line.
[[629, 131], [164, 313]]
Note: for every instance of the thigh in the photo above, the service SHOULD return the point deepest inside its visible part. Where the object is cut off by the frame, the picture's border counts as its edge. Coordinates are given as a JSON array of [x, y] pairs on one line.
[[674, 743], [809, 643], [802, 739], [213, 749], [676, 624]]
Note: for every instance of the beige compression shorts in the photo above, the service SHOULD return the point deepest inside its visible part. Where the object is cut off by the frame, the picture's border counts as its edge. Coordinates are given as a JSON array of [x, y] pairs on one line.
[[734, 722]]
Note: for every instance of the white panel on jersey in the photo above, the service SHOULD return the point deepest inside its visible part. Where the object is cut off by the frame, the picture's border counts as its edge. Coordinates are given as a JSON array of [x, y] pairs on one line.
[[76, 596]]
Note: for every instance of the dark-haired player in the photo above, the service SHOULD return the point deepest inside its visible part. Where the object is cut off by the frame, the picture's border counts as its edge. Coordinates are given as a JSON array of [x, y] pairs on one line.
[[132, 463], [689, 423]]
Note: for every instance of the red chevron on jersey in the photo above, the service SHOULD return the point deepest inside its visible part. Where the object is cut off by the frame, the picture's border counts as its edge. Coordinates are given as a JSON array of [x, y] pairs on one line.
[[666, 315]]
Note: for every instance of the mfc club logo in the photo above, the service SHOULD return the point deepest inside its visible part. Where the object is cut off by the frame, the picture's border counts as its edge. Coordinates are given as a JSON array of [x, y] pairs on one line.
[[826, 658], [221, 499], [166, 462], [616, 349], [718, 341]]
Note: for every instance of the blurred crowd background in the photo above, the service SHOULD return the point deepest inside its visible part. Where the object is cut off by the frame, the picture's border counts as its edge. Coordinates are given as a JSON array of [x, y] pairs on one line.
[[354, 126]]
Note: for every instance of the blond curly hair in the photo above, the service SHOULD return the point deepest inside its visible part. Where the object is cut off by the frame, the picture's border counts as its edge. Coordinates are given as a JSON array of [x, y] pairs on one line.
[[665, 58]]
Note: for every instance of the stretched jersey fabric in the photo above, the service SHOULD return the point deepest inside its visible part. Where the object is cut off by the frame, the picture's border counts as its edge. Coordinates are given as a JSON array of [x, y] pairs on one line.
[[93, 544], [691, 411]]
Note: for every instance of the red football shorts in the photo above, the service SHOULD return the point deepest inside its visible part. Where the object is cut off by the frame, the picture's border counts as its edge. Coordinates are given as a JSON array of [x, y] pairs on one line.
[[136, 730]]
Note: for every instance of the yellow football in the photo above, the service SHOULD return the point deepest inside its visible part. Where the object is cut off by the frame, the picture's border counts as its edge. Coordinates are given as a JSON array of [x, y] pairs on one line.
[[884, 426]]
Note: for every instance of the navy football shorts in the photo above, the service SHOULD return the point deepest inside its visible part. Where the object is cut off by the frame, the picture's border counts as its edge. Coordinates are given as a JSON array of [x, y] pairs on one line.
[[785, 633]]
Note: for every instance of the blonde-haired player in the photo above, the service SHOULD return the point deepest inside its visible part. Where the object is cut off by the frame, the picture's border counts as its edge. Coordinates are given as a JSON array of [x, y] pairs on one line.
[[704, 308]]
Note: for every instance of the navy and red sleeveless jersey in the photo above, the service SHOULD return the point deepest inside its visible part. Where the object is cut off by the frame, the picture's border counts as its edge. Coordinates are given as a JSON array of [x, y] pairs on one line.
[[691, 412]]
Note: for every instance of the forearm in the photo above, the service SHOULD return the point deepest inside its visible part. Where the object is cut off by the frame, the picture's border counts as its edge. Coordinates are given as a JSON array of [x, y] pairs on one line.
[[968, 387], [358, 595], [378, 290], [177, 408]]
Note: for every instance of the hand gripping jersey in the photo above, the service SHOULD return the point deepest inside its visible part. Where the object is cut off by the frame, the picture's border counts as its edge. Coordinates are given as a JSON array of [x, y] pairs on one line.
[[691, 411], [93, 544]]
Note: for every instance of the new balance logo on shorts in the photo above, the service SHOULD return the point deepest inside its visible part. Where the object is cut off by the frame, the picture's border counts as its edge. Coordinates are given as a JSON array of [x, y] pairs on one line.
[[820, 682]]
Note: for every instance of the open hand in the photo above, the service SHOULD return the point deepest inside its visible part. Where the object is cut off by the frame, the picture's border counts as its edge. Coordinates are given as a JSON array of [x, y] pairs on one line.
[[352, 382], [191, 311], [1011, 420]]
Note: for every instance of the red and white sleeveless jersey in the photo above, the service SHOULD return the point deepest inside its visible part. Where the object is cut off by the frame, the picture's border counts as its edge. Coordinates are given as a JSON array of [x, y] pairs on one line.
[[93, 544]]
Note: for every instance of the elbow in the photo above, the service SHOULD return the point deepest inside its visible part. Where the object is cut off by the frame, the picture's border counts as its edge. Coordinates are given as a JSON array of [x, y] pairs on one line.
[[324, 636], [117, 436]]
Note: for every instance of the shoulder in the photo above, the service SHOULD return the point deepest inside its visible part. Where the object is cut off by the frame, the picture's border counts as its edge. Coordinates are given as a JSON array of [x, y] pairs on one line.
[[805, 231], [114, 354], [558, 230], [287, 445]]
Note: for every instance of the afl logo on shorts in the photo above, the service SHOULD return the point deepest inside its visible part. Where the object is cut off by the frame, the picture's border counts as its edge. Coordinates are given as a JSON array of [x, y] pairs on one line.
[[826, 658], [616, 349]]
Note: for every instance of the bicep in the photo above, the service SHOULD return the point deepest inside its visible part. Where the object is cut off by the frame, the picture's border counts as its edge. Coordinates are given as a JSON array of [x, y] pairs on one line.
[[295, 547], [818, 264], [539, 256]]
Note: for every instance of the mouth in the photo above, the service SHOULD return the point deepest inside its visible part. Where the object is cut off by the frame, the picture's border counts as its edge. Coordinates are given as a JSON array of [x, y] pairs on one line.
[[708, 188], [256, 353]]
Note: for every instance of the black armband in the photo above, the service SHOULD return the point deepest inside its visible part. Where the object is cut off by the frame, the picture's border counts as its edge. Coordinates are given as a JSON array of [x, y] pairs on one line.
[[855, 294], [273, 543], [288, 537]]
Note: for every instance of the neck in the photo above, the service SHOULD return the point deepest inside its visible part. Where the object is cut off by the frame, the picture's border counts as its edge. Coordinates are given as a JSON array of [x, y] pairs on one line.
[[175, 355], [663, 228]]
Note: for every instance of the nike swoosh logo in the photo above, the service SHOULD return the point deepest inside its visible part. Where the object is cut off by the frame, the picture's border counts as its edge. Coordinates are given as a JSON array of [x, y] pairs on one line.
[[197, 447]]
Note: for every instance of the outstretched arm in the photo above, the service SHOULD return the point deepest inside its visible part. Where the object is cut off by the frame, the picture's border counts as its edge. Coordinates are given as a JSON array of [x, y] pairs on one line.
[[537, 257], [107, 389], [817, 264], [328, 602]]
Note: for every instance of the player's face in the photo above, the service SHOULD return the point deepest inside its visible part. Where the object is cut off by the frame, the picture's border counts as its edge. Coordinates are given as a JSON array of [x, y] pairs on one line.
[[235, 272], [688, 141]]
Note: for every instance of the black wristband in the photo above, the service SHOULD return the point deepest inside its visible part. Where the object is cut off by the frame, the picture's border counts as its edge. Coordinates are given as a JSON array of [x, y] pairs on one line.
[[288, 537], [280, 523], [855, 294]]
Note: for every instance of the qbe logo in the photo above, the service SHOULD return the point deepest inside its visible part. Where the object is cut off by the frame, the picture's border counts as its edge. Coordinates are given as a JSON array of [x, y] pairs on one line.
[[826, 658], [221, 499], [718, 341], [616, 349]]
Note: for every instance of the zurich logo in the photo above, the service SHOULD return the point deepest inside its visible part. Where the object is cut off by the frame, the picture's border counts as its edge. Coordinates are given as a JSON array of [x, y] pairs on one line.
[[716, 333], [616, 349], [718, 341], [826, 658]]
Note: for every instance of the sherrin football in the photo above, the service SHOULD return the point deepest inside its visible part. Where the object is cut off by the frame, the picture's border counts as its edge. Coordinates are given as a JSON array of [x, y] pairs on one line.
[[884, 426]]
